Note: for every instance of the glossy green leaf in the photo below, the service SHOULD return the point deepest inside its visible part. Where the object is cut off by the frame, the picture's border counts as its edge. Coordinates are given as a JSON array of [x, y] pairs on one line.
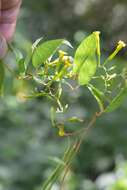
[[87, 71], [1, 77], [117, 101], [45, 51], [98, 95], [85, 50]]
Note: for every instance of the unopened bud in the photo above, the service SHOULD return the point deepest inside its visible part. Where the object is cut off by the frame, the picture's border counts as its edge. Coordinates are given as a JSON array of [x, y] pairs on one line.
[[61, 132], [121, 44]]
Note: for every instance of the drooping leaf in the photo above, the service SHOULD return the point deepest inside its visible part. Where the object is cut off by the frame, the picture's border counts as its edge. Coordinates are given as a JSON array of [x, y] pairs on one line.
[[117, 101], [85, 50], [87, 71], [85, 62], [1, 77], [99, 96], [45, 51]]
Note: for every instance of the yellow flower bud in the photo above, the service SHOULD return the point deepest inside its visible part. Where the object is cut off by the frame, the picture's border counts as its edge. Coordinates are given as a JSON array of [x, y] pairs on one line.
[[67, 63], [97, 33], [61, 132], [62, 54], [121, 44]]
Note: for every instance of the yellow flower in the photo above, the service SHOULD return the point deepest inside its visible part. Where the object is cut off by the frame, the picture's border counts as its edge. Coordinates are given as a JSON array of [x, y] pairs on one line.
[[62, 54], [67, 62]]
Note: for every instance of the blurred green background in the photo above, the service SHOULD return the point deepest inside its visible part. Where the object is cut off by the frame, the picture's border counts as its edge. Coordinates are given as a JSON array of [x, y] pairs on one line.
[[28, 144]]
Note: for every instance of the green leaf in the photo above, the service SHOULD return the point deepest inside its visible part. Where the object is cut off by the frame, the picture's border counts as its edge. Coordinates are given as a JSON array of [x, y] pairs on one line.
[[21, 64], [117, 101], [85, 62], [87, 71], [85, 50], [45, 51], [98, 95], [1, 77]]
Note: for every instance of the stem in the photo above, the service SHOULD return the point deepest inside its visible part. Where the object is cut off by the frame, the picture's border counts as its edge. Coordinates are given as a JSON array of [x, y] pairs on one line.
[[55, 175], [68, 157]]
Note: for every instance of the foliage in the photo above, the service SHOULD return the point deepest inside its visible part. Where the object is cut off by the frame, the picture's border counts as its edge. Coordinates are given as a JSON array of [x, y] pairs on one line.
[[52, 69]]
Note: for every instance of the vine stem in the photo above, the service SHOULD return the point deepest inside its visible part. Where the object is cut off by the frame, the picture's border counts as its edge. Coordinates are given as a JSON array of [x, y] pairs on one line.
[[78, 145]]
